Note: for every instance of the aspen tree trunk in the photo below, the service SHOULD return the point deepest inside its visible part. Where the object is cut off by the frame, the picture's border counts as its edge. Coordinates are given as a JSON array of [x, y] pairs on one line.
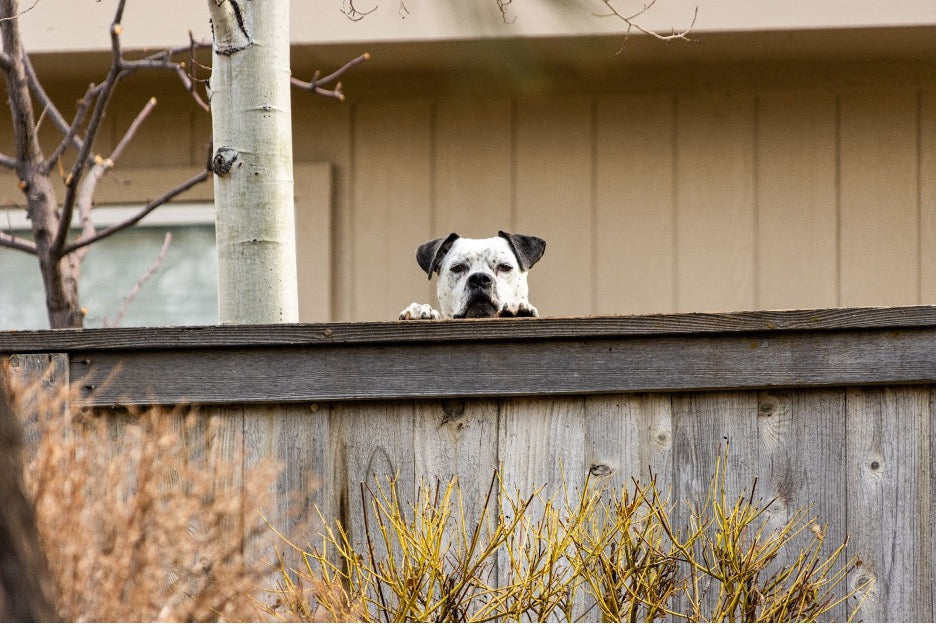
[[252, 126]]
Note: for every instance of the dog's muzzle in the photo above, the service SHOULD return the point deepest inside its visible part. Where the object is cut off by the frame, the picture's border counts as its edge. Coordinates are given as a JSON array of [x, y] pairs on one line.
[[480, 303]]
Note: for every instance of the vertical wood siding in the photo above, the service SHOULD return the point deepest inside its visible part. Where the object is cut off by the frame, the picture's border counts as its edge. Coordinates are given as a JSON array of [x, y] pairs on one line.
[[712, 200]]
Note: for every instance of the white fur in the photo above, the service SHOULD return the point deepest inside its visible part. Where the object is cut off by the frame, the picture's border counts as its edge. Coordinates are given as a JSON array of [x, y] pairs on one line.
[[490, 256]]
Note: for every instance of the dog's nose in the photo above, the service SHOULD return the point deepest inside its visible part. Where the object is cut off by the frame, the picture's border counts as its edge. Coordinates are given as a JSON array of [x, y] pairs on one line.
[[480, 281]]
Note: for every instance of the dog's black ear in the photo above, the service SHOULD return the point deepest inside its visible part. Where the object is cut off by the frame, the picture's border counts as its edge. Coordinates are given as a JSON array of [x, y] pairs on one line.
[[528, 249], [429, 255]]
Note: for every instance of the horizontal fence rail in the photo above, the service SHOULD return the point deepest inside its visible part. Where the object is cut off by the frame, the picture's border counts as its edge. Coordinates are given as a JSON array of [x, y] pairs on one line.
[[493, 358], [827, 409]]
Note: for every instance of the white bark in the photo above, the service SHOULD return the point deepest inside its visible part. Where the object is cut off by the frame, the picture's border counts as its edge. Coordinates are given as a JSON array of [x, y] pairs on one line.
[[252, 126]]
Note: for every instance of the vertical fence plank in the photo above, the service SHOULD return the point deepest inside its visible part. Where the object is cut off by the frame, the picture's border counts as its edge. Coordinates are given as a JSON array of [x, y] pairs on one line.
[[540, 446], [294, 438], [802, 465], [457, 439], [888, 450], [703, 423], [629, 437], [541, 442], [48, 374], [931, 497], [375, 444]]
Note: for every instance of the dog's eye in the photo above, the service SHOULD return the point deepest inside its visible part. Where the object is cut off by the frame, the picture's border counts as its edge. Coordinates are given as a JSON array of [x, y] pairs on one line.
[[461, 267], [504, 268]]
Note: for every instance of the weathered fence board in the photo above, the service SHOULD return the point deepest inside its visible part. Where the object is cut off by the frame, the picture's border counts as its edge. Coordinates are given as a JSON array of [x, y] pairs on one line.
[[457, 439], [801, 442], [298, 446], [831, 409], [889, 504], [50, 372], [506, 367]]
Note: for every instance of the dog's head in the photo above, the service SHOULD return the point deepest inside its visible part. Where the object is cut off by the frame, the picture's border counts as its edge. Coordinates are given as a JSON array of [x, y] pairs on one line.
[[482, 277]]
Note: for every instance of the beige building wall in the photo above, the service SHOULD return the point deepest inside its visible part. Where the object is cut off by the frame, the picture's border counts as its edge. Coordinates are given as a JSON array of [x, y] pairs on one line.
[[699, 187], [736, 196]]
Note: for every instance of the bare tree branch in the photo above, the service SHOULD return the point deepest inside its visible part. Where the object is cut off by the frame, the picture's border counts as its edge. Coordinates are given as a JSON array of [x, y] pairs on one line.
[[117, 70], [315, 85], [632, 24], [23, 12], [131, 131], [352, 13], [188, 79], [140, 282], [72, 132], [85, 193], [48, 105], [148, 208], [51, 221], [503, 7], [15, 242]]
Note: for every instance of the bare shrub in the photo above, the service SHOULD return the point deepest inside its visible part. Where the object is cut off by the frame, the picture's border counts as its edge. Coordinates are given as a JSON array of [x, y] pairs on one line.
[[137, 523]]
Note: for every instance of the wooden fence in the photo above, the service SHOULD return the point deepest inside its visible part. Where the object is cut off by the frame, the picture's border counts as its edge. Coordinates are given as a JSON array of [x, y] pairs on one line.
[[829, 408]]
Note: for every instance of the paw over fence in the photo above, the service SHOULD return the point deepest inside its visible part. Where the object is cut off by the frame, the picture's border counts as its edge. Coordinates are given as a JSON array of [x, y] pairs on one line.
[[829, 408]]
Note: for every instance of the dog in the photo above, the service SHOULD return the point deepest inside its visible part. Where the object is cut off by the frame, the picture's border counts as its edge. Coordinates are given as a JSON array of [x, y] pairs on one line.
[[478, 277]]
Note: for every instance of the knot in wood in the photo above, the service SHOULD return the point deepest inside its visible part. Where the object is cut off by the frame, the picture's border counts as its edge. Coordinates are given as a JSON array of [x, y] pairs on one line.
[[599, 470], [768, 406], [452, 409], [223, 160]]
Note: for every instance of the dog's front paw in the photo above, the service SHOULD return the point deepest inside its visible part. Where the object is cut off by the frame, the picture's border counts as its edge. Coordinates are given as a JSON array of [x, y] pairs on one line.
[[419, 312], [519, 309]]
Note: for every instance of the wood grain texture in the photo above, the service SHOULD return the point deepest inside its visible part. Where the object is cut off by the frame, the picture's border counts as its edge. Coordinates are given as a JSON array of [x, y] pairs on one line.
[[889, 505], [540, 447], [704, 426], [801, 454], [296, 440], [213, 443], [40, 382], [540, 444], [374, 443], [502, 368], [222, 336], [629, 437], [457, 439]]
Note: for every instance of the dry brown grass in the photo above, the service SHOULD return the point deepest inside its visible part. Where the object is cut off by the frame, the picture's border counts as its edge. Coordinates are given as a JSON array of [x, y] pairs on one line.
[[144, 532]]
